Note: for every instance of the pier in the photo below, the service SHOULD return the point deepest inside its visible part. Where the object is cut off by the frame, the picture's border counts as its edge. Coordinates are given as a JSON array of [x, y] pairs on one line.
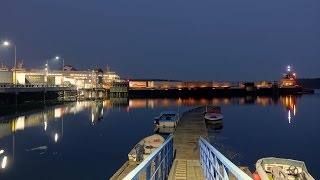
[[186, 144], [14, 95], [187, 162]]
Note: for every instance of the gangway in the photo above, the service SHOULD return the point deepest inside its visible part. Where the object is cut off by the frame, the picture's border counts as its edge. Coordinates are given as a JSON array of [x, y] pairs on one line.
[[216, 166]]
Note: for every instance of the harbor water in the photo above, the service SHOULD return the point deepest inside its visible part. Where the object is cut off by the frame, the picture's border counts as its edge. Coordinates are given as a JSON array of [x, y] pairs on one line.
[[91, 139]]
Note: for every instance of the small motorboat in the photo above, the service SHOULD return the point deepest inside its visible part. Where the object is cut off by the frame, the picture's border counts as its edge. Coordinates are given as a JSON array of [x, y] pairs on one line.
[[167, 119], [213, 115], [282, 169], [145, 147]]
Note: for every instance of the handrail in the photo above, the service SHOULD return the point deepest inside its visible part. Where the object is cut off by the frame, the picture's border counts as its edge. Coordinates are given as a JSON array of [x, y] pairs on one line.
[[216, 165], [162, 158]]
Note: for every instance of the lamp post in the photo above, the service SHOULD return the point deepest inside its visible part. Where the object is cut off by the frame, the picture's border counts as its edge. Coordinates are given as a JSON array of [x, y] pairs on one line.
[[47, 72], [7, 43], [57, 58]]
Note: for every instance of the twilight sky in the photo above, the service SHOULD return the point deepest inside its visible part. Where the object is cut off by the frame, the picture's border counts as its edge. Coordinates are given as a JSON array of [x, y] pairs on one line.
[[170, 39]]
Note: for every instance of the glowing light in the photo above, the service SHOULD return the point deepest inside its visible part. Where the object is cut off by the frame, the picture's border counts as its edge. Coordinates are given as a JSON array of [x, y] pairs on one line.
[[289, 68], [4, 162], [57, 57], [289, 116], [56, 137], [294, 110], [45, 125], [6, 43], [1, 151], [92, 117]]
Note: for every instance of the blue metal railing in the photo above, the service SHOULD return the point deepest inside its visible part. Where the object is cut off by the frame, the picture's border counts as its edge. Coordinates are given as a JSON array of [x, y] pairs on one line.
[[217, 166], [157, 165]]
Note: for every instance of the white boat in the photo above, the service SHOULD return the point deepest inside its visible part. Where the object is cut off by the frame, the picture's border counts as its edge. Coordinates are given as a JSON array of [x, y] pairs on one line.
[[282, 169], [145, 147], [213, 115], [167, 119], [210, 117]]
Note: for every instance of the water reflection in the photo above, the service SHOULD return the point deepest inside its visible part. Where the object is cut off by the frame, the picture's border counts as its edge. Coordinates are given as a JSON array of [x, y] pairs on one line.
[[4, 162], [215, 127], [51, 120], [3, 159], [97, 112], [9, 125], [289, 102]]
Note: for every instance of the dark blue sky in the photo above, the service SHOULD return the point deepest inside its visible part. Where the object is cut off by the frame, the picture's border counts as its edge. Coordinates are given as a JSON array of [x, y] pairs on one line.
[[171, 39]]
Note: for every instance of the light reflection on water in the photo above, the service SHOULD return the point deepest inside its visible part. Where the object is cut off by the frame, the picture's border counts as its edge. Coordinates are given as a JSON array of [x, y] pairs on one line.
[[91, 139]]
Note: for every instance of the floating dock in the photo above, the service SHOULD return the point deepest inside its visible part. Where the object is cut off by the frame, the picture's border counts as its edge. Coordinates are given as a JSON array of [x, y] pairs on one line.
[[186, 144], [186, 164]]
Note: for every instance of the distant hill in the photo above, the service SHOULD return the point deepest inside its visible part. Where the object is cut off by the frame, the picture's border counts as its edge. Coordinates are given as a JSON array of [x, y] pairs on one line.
[[309, 83]]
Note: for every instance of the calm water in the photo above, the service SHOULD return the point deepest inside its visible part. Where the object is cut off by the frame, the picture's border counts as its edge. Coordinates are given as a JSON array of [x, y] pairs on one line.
[[90, 140]]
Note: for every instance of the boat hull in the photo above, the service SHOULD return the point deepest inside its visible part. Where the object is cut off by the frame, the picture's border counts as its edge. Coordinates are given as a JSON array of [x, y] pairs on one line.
[[145, 147], [167, 119], [166, 124], [282, 168], [213, 117]]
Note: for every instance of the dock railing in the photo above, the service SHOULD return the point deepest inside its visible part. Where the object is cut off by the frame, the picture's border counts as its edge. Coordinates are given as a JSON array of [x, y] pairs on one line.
[[157, 165], [217, 166]]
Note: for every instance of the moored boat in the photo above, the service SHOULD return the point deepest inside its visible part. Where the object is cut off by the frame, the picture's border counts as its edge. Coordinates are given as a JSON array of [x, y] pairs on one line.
[[282, 169], [167, 119], [145, 147], [213, 115]]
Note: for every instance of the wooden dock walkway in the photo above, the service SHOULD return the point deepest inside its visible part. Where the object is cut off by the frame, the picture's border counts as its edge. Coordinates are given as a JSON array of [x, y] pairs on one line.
[[186, 143]]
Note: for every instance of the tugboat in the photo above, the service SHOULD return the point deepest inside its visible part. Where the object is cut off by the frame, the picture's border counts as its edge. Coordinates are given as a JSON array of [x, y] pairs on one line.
[[289, 84], [289, 79]]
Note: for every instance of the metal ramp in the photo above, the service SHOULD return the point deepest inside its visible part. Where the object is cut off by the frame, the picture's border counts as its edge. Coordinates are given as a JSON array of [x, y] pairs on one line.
[[183, 169]]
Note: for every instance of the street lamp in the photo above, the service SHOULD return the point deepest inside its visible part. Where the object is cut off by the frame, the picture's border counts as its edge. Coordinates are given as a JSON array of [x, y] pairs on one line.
[[57, 58], [7, 43]]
